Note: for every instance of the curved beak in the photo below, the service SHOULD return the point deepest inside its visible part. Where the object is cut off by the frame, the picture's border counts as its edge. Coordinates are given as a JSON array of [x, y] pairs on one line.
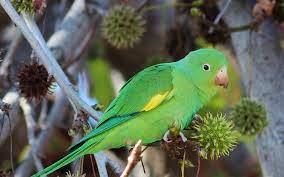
[[222, 79]]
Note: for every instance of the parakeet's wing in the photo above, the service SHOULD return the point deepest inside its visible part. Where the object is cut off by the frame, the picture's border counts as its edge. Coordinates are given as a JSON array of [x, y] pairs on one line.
[[143, 92]]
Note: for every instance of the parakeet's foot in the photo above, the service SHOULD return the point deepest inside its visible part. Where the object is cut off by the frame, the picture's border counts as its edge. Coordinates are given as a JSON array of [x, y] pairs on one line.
[[168, 140], [197, 118], [166, 137], [183, 138]]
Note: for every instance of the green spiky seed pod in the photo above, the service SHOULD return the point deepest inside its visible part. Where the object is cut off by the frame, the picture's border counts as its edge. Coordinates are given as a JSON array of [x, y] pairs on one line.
[[122, 26], [26, 6], [249, 117], [215, 136]]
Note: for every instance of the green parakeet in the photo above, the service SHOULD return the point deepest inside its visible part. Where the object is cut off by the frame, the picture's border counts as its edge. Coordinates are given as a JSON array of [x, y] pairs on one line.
[[156, 99]]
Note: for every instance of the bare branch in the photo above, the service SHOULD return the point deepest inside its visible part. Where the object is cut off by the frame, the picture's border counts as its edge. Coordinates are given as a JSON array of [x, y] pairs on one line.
[[143, 4], [134, 157], [8, 60], [44, 53], [220, 15], [30, 123], [63, 43], [26, 168], [94, 6]]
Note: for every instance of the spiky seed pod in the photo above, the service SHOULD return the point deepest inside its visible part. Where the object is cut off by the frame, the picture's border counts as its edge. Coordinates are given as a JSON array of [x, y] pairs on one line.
[[215, 136], [249, 117], [29, 6], [26, 6], [34, 81], [122, 26]]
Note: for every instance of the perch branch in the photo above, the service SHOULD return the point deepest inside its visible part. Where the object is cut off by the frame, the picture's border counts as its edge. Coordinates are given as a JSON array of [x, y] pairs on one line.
[[134, 157], [47, 58]]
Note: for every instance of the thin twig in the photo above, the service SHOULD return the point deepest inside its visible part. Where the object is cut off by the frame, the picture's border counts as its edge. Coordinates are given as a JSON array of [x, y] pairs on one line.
[[6, 108], [11, 144], [220, 15], [144, 4], [43, 113], [9, 57], [167, 5], [101, 164], [93, 165], [198, 167], [93, 6], [251, 25], [47, 58], [30, 123], [80, 49], [11, 98], [25, 169], [183, 164], [134, 157], [113, 161]]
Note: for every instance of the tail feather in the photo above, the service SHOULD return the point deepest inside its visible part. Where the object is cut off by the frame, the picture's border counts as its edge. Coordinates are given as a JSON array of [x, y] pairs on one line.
[[76, 153]]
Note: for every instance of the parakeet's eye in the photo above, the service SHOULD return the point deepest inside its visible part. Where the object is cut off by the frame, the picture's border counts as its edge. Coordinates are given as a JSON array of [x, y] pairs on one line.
[[206, 67]]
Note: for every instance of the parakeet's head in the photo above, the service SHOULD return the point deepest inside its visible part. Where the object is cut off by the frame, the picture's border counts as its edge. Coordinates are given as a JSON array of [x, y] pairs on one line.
[[208, 69]]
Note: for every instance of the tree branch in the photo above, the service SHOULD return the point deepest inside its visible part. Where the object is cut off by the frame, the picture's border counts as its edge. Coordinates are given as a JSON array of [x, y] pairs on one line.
[[30, 123], [26, 168], [9, 57], [220, 15], [47, 58], [134, 157], [261, 62]]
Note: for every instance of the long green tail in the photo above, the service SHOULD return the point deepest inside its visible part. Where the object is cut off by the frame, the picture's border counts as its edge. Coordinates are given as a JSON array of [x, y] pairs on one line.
[[76, 153]]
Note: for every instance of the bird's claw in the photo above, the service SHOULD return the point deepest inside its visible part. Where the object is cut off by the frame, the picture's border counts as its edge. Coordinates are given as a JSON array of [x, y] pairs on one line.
[[166, 137], [183, 138], [167, 140], [197, 118]]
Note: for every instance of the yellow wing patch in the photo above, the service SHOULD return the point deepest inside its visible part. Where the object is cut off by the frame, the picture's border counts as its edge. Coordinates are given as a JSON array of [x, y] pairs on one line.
[[155, 101]]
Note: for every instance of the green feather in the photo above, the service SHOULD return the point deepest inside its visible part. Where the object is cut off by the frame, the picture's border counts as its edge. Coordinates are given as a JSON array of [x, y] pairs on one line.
[[66, 160]]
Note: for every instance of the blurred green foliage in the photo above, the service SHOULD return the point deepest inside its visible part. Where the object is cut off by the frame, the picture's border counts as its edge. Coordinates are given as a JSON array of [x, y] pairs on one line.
[[201, 42], [101, 84]]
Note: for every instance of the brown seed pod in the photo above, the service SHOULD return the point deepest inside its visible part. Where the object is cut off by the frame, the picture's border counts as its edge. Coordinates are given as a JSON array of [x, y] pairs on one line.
[[34, 81]]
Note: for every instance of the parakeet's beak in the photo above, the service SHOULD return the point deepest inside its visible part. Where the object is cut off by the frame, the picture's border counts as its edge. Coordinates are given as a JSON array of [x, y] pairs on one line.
[[222, 79]]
